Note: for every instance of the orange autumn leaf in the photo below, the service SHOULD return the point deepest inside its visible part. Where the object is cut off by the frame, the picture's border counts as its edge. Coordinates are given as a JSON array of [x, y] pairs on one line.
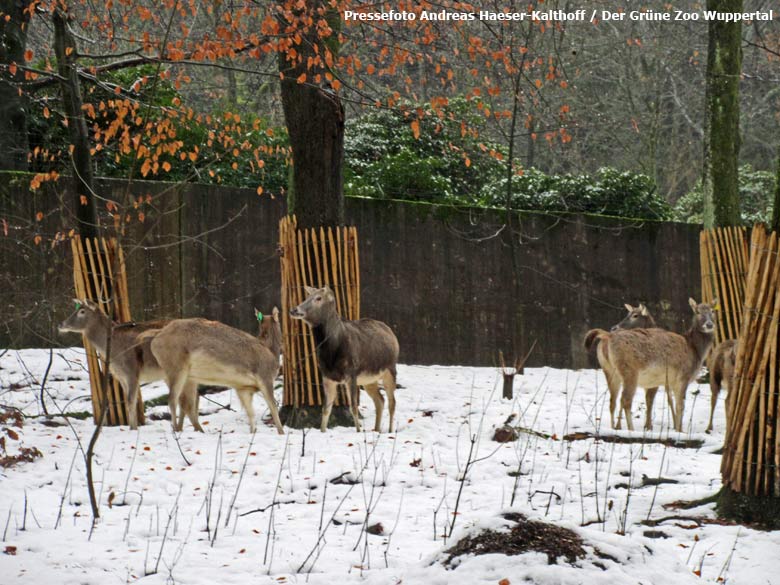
[[28, 55], [302, 78], [260, 190], [166, 167], [415, 128]]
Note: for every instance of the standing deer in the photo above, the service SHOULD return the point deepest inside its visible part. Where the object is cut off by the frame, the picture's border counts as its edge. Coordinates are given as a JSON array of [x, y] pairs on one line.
[[721, 366], [354, 353], [655, 357], [636, 318], [198, 351], [131, 360]]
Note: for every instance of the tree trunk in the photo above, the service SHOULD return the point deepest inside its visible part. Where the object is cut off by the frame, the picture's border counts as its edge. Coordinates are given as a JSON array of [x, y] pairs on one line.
[[315, 122], [14, 145], [722, 141], [65, 51]]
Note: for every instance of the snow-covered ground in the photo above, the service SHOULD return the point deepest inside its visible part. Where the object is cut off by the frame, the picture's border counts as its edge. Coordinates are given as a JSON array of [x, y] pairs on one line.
[[222, 507]]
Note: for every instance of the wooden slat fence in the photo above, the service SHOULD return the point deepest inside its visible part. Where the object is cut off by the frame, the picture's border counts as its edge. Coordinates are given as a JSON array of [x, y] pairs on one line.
[[751, 457], [724, 266], [314, 257], [100, 275]]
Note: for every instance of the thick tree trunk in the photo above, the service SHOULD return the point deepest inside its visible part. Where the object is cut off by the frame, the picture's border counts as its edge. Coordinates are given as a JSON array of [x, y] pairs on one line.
[[65, 51], [315, 122], [722, 140], [14, 145]]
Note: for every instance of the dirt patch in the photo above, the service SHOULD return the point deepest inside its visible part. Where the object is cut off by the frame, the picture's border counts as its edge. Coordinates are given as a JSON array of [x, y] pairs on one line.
[[525, 536]]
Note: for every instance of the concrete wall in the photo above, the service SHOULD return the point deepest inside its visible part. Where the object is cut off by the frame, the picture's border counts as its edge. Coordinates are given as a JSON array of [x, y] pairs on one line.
[[442, 278]]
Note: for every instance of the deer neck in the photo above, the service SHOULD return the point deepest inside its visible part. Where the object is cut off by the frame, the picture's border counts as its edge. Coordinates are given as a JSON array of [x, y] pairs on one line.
[[700, 342], [273, 340], [97, 333], [329, 332]]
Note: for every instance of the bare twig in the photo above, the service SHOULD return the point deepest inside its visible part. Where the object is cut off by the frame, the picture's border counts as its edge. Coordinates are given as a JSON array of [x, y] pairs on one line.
[[240, 477]]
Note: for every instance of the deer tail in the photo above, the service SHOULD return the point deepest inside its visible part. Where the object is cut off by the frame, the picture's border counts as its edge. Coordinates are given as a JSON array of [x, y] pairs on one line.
[[592, 339]]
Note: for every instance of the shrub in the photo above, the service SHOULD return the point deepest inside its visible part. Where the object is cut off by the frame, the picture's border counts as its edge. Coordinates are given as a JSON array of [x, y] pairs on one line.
[[756, 193]]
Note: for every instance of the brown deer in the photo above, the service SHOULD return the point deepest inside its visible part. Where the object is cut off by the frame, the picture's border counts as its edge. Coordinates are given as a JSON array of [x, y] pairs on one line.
[[198, 351], [636, 318], [354, 353], [131, 360], [655, 357], [721, 366]]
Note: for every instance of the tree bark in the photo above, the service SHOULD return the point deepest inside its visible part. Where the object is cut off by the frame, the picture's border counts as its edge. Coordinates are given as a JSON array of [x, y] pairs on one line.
[[722, 140], [775, 227], [66, 53], [14, 144], [314, 117]]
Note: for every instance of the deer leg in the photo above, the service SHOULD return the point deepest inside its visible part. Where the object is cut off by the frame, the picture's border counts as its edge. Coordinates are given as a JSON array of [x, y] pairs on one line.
[[613, 383], [389, 382], [714, 391], [189, 406], [352, 387], [627, 399], [266, 387], [649, 400], [245, 395], [330, 387], [379, 404], [176, 384], [132, 400], [679, 398]]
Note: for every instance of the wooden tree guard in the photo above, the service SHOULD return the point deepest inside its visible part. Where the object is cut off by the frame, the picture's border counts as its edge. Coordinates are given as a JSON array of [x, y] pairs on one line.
[[314, 257], [724, 266], [751, 456], [99, 275]]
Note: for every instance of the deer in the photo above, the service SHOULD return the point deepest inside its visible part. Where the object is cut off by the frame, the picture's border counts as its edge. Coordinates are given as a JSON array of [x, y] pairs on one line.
[[198, 351], [638, 317], [721, 366], [131, 361], [655, 357], [354, 353]]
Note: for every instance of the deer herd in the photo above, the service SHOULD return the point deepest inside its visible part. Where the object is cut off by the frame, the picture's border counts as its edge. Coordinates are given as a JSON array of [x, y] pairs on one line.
[[186, 353]]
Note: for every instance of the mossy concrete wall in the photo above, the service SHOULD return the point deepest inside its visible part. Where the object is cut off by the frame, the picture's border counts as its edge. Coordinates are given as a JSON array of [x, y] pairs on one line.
[[443, 278]]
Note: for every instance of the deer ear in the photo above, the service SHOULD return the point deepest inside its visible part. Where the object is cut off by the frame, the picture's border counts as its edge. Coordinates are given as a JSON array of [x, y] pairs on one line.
[[258, 315], [643, 310], [310, 290], [628, 307], [91, 304], [275, 314], [715, 304], [693, 304]]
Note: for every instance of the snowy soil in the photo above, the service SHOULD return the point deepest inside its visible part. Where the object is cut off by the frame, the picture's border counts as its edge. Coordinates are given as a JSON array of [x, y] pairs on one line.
[[224, 507]]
